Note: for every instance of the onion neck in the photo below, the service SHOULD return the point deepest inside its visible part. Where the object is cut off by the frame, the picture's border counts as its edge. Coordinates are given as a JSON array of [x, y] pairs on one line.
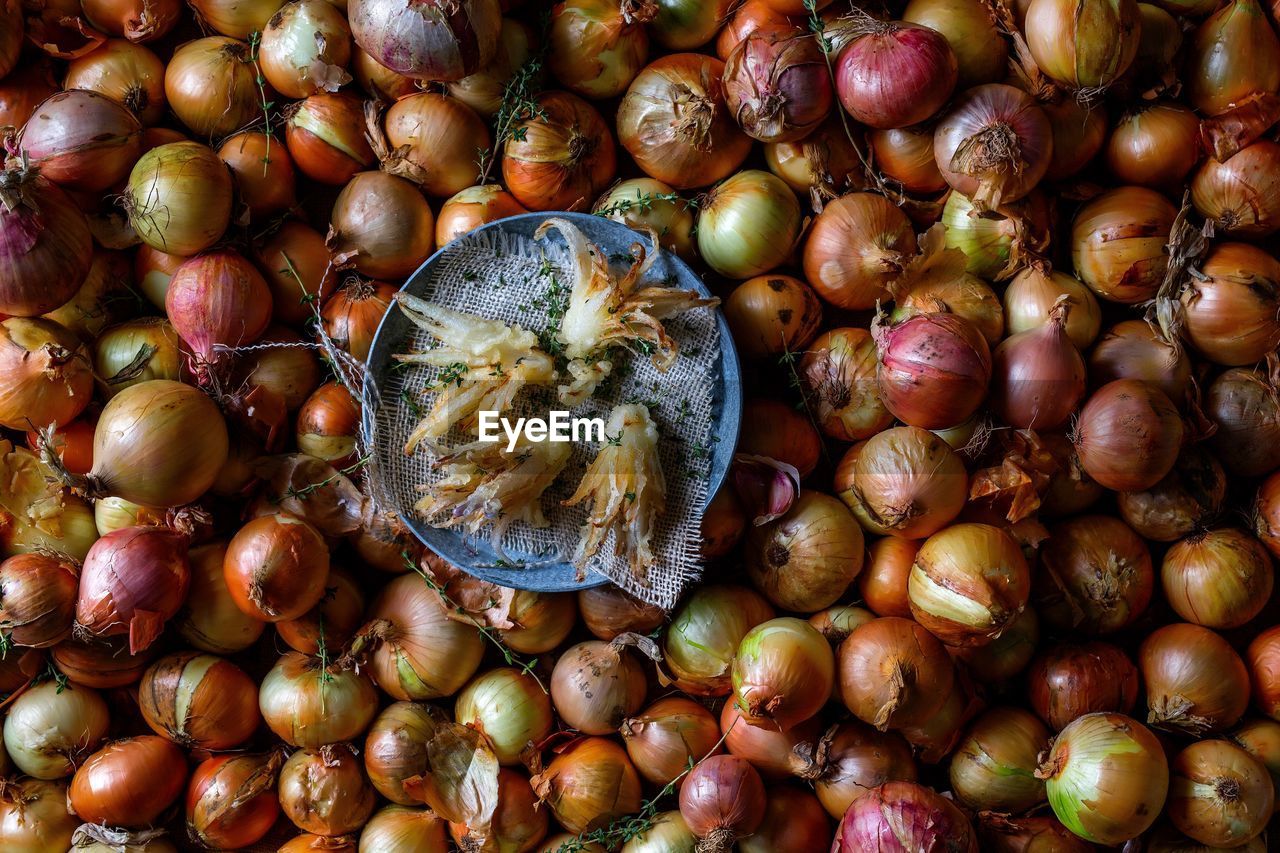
[[695, 113], [580, 147], [638, 11]]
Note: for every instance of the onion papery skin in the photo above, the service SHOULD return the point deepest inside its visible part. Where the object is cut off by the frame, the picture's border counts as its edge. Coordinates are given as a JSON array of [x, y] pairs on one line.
[[824, 164], [381, 225], [1233, 54], [992, 244], [1128, 435], [1038, 376], [305, 709], [210, 84], [772, 314], [596, 47], [1263, 658], [1220, 579], [43, 237], [968, 583], [437, 138], [934, 369], [336, 617], [1232, 316], [1030, 297], [749, 17], [839, 368], [44, 374], [231, 800], [179, 198], [1186, 501], [783, 673], [35, 817], [770, 750], [1244, 406], [38, 598], [893, 673], [722, 799], [836, 623], [1219, 794], [211, 621], [518, 822], [129, 783], [1069, 681], [82, 140], [276, 567], [748, 224], [377, 80], [704, 635], [596, 685], [49, 730], [437, 41], [395, 751], [563, 161], [608, 610], [1154, 147], [1242, 195], [236, 19], [994, 766], [1131, 349], [100, 665], [589, 784], [1096, 575], [326, 137], [218, 301], [777, 86], [662, 739], [198, 700], [903, 817], [856, 246], [805, 560], [400, 829], [472, 207], [1260, 737], [1266, 515], [1106, 777], [352, 314], [1194, 681], [422, 653], [859, 760], [994, 145], [1080, 44], [906, 482], [324, 791], [133, 580], [981, 53], [895, 74], [263, 172], [306, 48], [674, 122], [1117, 243]]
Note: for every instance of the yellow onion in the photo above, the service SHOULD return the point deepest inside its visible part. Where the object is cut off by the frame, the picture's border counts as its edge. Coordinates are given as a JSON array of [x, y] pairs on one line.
[[664, 738], [608, 610], [596, 685], [783, 673], [127, 73], [231, 800], [398, 829], [883, 581], [35, 512], [395, 751], [644, 203], [1030, 297], [82, 140], [50, 730], [1118, 240], [35, 817], [1242, 195], [857, 245], [1081, 44], [38, 598], [324, 790], [854, 759], [432, 140], [969, 582], [894, 673], [1007, 655], [420, 652], [236, 18], [775, 753], [381, 225], [596, 47], [96, 303], [332, 622], [674, 123], [1219, 795], [44, 374], [327, 137], [351, 316], [1095, 577], [307, 704], [704, 635], [305, 49], [442, 41], [590, 783], [906, 156], [667, 833], [981, 53], [152, 272], [1133, 349], [179, 198], [263, 173], [1194, 680], [100, 663], [748, 225], [823, 164], [993, 242], [1231, 314], [1232, 55], [328, 423], [472, 207], [805, 559], [129, 783], [994, 767], [1185, 501], [211, 621], [906, 482], [510, 707], [839, 369], [199, 700], [541, 621], [276, 567], [1217, 578], [1154, 146], [1106, 777], [211, 86], [561, 159], [1260, 737], [296, 266], [137, 351], [482, 91]]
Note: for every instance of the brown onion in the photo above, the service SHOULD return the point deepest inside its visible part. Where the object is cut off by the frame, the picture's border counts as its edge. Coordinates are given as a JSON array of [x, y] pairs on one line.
[[794, 822], [305, 49], [993, 768], [783, 673], [1133, 349], [276, 567], [1038, 376], [608, 610], [45, 378], [838, 368], [1118, 243], [1266, 514], [836, 623], [1242, 195], [1194, 681], [24, 87], [857, 245], [905, 154], [934, 369], [722, 799], [199, 700], [35, 816], [1189, 497], [326, 137], [210, 85], [231, 800], [1069, 681], [297, 269], [1245, 406], [704, 635], [1079, 132], [596, 47], [563, 160], [774, 753], [1218, 578], [589, 783], [775, 429], [893, 673], [38, 598], [1128, 435], [1029, 835], [1096, 575], [906, 482], [806, 559], [211, 621], [1260, 737], [1031, 296], [136, 20], [883, 581], [1085, 46], [1154, 145], [1219, 794], [132, 581], [82, 140], [128, 783], [1007, 655], [179, 198], [324, 790], [723, 523], [772, 314], [100, 664], [381, 225], [1231, 313], [857, 760], [777, 86], [1232, 56], [433, 140], [472, 207], [664, 738], [1263, 658], [263, 173], [968, 583], [351, 316], [596, 685]]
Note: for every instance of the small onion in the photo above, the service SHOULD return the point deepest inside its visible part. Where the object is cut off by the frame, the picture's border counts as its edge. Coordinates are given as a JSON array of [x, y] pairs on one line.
[[35, 817], [783, 673], [704, 635], [674, 123], [1132, 349], [722, 799], [1154, 146], [1031, 296], [438, 41], [994, 767], [179, 198], [1218, 578], [608, 610], [894, 673], [906, 155], [472, 207], [325, 791], [198, 700], [748, 224], [894, 74], [777, 85], [669, 734], [381, 225], [1260, 737], [1083, 46], [263, 172], [234, 17], [325, 135], [1128, 435], [308, 705], [1195, 682], [351, 316], [1246, 409], [132, 581], [82, 140], [897, 817], [823, 164], [589, 783], [433, 141], [839, 370], [883, 581], [772, 314], [596, 47], [129, 783], [1069, 681], [231, 800], [934, 369], [774, 429], [395, 752], [275, 567], [1219, 794], [1038, 376], [906, 482], [211, 621], [305, 49], [510, 707], [837, 623], [805, 559], [686, 24], [398, 829], [1079, 132], [296, 266], [858, 760], [1231, 314], [774, 753], [596, 685], [1029, 835], [38, 598], [50, 730], [561, 160], [857, 245], [211, 86], [666, 833], [1118, 243], [1096, 575], [968, 583], [333, 621]]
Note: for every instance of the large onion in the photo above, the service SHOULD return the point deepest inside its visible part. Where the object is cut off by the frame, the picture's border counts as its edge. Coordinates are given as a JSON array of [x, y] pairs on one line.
[[198, 700], [1219, 794], [1096, 575], [1118, 243], [596, 685], [395, 752], [474, 206], [1128, 435], [327, 138], [1031, 296], [307, 704], [381, 225], [1154, 145], [748, 224], [894, 74], [50, 730], [906, 482], [129, 783], [44, 374], [305, 49], [934, 369], [82, 140], [1241, 195], [857, 760], [35, 817], [783, 673], [775, 753], [771, 314], [231, 800], [663, 738], [1218, 578], [437, 40], [1245, 406], [325, 791], [589, 784], [1231, 313], [969, 582], [179, 198], [993, 768], [1195, 682], [704, 635], [893, 673], [434, 140], [1069, 681], [1132, 349], [211, 86], [134, 579], [857, 245], [1231, 56], [777, 85], [806, 559], [563, 159]]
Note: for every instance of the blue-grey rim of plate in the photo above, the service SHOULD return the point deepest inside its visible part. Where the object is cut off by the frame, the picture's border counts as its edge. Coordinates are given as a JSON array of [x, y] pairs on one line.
[[474, 554]]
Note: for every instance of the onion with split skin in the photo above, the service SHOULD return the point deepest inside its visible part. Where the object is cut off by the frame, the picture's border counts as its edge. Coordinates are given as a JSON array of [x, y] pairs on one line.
[[906, 482], [994, 767], [777, 85], [438, 41], [1096, 575], [1231, 313], [1069, 681], [324, 790], [856, 246], [596, 47], [608, 610], [805, 560], [1242, 195], [100, 664], [45, 379], [1219, 794], [704, 635], [50, 730], [137, 351], [327, 137], [199, 701], [305, 49], [35, 816], [1218, 578], [589, 783], [1195, 682], [1083, 45], [839, 368], [432, 140], [231, 800], [1118, 243], [517, 824], [893, 673], [1185, 501]]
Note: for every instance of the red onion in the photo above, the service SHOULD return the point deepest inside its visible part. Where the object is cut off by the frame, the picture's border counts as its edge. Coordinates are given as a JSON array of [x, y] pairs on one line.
[[439, 40], [777, 86], [994, 145], [722, 799], [903, 817], [934, 369], [1128, 435], [133, 580], [218, 300], [894, 74], [45, 245], [82, 140], [1038, 376]]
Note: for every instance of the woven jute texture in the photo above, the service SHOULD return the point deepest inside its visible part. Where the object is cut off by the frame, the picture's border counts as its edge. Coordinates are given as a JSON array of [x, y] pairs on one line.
[[512, 278]]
